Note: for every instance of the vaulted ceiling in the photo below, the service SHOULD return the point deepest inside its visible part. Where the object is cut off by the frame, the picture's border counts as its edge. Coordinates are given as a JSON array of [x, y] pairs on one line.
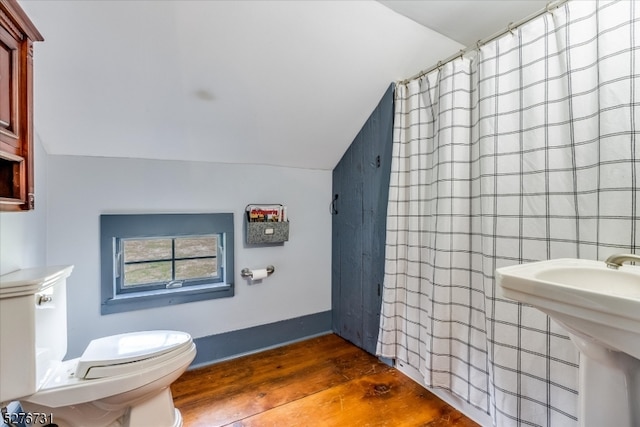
[[285, 83]]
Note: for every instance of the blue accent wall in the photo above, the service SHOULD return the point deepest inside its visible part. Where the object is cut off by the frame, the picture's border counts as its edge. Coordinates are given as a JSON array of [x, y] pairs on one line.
[[361, 184]]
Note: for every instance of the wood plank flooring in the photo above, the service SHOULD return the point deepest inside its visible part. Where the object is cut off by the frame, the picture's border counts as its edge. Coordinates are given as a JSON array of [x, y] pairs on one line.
[[324, 381]]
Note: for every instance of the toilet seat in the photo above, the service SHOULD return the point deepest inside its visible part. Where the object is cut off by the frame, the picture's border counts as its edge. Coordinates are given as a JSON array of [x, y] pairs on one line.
[[63, 388], [127, 353]]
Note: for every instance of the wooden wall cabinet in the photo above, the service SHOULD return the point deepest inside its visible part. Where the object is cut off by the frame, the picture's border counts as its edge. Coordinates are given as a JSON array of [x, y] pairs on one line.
[[17, 34]]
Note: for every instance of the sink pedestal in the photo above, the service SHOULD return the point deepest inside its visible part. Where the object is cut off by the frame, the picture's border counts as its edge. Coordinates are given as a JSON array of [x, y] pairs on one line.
[[609, 385], [600, 309]]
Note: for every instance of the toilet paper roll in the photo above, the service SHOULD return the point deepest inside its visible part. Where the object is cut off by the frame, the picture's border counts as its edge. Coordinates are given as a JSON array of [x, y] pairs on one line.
[[259, 274]]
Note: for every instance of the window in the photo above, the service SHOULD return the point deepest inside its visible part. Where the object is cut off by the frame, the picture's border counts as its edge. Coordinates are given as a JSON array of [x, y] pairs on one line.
[[153, 260]]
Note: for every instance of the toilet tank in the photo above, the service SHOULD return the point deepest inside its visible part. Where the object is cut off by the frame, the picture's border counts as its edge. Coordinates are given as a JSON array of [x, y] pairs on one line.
[[33, 328]]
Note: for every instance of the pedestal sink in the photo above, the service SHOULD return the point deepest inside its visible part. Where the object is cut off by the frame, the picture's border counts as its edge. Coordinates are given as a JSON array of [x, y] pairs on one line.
[[600, 309]]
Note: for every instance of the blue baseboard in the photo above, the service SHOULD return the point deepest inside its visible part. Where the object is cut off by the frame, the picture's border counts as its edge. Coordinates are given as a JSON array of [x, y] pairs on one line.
[[216, 348]]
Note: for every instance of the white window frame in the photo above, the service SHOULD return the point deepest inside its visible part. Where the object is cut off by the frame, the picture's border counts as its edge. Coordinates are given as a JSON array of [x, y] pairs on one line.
[[114, 228]]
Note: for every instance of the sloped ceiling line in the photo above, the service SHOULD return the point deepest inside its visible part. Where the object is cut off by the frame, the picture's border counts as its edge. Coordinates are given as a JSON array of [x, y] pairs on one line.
[[285, 83]]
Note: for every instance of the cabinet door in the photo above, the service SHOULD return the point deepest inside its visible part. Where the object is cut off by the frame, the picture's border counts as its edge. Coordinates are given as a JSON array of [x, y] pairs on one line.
[[17, 34], [9, 124], [361, 183]]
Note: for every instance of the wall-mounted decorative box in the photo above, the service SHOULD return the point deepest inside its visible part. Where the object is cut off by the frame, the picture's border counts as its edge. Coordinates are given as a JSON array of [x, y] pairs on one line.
[[266, 232], [263, 228]]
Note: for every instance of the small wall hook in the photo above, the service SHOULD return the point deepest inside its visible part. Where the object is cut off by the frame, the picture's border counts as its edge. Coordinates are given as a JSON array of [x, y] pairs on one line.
[[333, 206]]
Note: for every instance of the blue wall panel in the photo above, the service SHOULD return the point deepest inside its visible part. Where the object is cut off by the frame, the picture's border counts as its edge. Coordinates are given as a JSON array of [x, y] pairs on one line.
[[361, 182]]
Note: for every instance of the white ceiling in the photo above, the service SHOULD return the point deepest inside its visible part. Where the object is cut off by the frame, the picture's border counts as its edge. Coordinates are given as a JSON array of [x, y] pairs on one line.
[[286, 83], [466, 21]]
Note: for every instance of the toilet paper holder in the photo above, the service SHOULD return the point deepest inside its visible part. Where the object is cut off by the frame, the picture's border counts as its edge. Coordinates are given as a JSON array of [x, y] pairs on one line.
[[245, 272]]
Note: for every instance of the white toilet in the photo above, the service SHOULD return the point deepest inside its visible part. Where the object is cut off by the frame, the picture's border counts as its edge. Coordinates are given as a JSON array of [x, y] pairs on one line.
[[121, 380]]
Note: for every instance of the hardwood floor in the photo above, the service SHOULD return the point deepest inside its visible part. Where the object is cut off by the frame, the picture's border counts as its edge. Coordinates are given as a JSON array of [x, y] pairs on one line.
[[324, 381]]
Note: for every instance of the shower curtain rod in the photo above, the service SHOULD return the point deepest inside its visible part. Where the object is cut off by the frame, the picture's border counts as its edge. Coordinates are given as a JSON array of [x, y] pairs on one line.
[[512, 26]]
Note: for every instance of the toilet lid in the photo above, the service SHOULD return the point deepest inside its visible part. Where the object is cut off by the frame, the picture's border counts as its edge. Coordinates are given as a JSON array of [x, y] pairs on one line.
[[30, 281], [118, 354]]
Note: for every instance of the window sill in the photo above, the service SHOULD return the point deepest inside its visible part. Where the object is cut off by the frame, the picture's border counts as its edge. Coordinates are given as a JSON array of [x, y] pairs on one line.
[[116, 227], [165, 297]]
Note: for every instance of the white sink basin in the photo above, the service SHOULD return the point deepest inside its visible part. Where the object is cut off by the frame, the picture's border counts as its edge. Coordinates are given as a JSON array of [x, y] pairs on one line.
[[600, 308], [596, 279], [580, 294]]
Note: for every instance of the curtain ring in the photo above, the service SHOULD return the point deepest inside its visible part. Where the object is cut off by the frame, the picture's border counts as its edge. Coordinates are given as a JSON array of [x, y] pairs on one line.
[[478, 44], [549, 9], [439, 65], [510, 28]]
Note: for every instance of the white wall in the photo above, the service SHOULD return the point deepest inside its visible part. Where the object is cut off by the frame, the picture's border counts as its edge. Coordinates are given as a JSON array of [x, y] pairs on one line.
[[23, 234], [82, 188]]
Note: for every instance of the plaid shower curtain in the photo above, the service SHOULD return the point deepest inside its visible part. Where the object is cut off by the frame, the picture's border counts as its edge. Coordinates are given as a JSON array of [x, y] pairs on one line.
[[524, 152]]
